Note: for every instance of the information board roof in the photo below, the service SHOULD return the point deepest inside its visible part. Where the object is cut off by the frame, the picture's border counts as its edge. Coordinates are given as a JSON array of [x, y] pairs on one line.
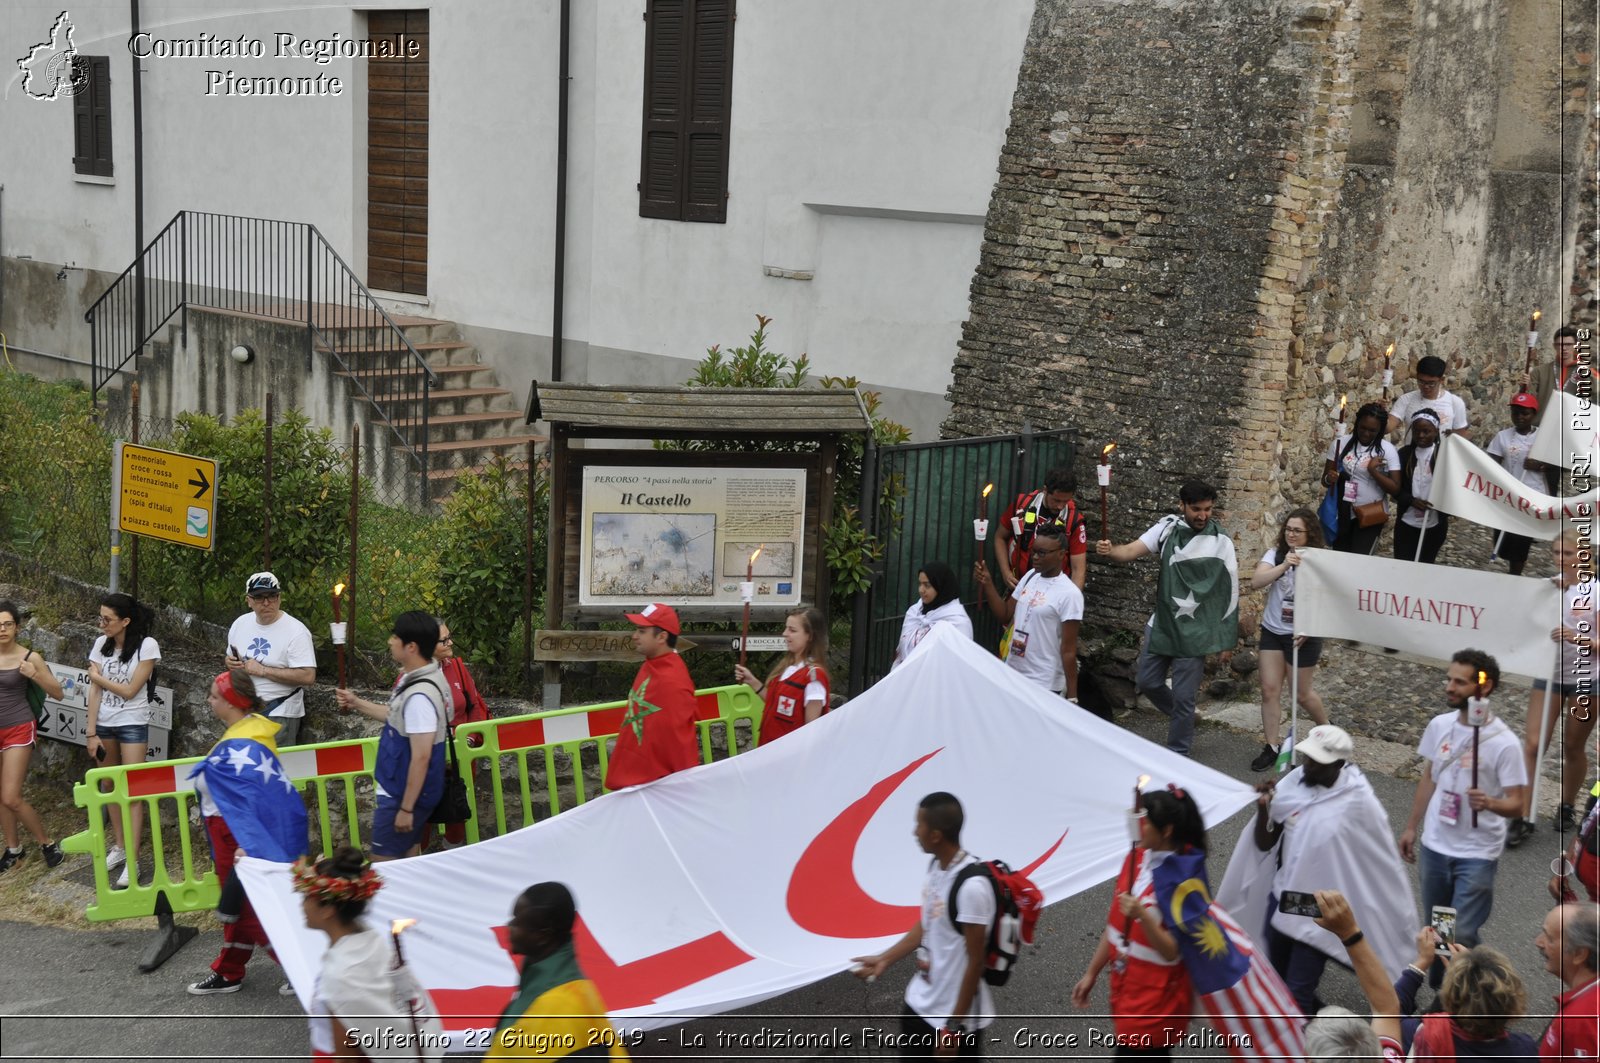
[[662, 412]]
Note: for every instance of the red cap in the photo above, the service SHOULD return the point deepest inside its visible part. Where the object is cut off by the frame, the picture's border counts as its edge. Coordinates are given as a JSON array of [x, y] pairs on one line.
[[1525, 400], [657, 615]]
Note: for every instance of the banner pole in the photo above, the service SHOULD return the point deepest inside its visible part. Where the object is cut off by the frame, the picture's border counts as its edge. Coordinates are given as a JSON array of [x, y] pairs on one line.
[[1422, 533], [1294, 690], [1545, 723]]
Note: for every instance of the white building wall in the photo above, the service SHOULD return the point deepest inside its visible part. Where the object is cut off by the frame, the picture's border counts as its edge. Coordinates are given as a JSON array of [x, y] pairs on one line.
[[865, 135]]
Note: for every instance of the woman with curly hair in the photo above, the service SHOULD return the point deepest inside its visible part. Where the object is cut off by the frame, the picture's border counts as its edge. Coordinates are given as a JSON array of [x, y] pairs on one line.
[[365, 1004], [1481, 996]]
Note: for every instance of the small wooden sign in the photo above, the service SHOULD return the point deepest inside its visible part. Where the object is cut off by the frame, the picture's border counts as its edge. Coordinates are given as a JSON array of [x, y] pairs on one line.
[[618, 645]]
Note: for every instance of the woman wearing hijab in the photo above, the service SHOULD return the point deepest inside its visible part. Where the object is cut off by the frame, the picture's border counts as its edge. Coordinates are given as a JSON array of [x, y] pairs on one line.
[[938, 602]]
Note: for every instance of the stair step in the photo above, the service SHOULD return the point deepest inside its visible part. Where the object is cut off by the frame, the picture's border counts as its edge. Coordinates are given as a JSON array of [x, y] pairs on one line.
[[412, 370], [449, 393], [485, 444], [447, 419], [394, 348]]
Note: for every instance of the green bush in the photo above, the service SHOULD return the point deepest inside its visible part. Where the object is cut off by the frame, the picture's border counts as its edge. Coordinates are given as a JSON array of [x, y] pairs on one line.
[[55, 477]]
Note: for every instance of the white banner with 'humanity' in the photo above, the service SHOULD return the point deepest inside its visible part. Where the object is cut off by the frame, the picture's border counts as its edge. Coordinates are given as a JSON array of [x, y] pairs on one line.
[[1468, 483], [1430, 610]]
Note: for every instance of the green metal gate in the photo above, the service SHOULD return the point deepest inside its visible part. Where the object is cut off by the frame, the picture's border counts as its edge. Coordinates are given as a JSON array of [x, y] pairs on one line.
[[935, 491]]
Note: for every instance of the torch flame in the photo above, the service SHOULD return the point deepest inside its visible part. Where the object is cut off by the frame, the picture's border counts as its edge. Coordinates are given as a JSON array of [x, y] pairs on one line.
[[1106, 453], [1389, 351], [1343, 399], [757, 554], [987, 488], [399, 926], [1537, 314], [1144, 780], [338, 588], [1482, 678]]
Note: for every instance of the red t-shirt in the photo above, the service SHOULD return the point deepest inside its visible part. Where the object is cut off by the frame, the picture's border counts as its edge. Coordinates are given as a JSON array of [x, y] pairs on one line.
[[658, 733], [786, 701], [1575, 1031], [1025, 514]]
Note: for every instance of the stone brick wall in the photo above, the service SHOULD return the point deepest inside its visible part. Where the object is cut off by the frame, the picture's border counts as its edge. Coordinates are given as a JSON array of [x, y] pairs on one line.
[[1211, 218]]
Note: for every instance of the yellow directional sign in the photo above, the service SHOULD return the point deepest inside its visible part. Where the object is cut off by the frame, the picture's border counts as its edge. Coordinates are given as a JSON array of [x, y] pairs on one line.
[[166, 495]]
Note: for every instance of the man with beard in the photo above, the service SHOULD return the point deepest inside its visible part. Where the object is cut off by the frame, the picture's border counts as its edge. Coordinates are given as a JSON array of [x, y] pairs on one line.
[[1196, 607]]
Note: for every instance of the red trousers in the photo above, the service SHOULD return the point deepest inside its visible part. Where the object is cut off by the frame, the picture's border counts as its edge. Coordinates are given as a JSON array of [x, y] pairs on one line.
[[240, 937]]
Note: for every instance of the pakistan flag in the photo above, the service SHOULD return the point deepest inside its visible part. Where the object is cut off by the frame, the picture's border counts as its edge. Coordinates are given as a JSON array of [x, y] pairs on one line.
[[1197, 593]]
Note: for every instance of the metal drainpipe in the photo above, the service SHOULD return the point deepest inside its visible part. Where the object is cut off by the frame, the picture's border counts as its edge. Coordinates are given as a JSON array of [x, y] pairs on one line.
[[560, 273], [138, 178]]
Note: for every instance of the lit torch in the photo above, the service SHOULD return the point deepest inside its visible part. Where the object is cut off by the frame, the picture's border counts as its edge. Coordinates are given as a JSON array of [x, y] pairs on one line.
[[1388, 372], [1103, 474], [1344, 400], [338, 629], [980, 527], [747, 591], [1533, 340], [1476, 711], [396, 928]]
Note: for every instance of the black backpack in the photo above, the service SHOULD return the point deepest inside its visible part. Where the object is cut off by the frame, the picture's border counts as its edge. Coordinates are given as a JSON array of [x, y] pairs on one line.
[[1017, 902]]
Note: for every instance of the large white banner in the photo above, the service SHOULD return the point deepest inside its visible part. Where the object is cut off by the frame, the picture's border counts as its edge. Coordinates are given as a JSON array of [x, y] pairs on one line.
[[1568, 435], [1430, 610], [1468, 483], [743, 879]]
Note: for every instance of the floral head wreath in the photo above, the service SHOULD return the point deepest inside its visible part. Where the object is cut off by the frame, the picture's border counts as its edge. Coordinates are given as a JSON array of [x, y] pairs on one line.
[[335, 888]]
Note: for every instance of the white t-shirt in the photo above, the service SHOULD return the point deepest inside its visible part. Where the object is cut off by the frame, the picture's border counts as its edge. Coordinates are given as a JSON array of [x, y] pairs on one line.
[[933, 990], [1578, 665], [373, 1000], [285, 643], [815, 690], [1362, 487], [1512, 447], [1451, 410], [1278, 616], [1043, 605], [1447, 746], [1421, 485], [419, 717], [116, 711]]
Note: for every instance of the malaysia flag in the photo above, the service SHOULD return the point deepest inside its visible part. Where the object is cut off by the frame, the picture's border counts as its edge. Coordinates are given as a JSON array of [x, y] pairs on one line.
[[263, 810], [1246, 1001]]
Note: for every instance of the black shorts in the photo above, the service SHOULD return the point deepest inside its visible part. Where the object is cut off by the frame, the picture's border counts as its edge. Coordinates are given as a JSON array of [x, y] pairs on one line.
[[1310, 649]]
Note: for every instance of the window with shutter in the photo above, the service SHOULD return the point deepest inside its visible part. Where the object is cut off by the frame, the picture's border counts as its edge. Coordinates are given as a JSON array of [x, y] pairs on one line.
[[91, 115], [688, 96]]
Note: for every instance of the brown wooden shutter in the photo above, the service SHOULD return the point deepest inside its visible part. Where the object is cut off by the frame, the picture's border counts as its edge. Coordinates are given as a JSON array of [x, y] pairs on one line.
[[91, 116], [397, 156], [688, 92]]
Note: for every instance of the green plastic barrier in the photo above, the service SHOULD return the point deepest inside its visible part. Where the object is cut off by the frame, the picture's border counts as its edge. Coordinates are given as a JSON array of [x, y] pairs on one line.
[[329, 773]]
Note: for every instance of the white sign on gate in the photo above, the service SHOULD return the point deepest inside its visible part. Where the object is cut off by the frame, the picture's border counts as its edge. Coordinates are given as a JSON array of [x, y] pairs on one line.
[[67, 720]]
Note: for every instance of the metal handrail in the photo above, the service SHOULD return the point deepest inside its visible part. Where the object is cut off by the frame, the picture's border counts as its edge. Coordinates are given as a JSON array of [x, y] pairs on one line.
[[254, 265]]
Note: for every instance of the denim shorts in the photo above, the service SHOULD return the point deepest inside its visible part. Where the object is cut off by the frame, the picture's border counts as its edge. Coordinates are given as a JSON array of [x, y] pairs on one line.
[[128, 733], [1589, 685]]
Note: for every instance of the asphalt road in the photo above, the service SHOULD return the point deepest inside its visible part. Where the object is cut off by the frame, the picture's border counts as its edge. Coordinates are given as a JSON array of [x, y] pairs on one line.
[[78, 995]]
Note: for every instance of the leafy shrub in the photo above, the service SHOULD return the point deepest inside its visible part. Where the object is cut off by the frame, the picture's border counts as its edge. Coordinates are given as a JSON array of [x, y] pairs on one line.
[[55, 476]]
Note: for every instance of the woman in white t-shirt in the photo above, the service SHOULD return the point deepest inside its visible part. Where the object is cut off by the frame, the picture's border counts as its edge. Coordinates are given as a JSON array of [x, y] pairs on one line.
[[1420, 531], [1577, 687], [1277, 570], [120, 668], [365, 1005], [1361, 469]]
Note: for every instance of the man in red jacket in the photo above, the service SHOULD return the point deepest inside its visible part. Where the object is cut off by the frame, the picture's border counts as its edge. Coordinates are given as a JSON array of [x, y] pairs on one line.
[[658, 732], [1568, 943]]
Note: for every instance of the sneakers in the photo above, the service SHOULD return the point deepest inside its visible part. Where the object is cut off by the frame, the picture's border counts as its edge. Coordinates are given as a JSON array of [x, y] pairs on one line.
[[1264, 759], [122, 879], [1564, 820], [286, 990], [52, 854], [215, 984], [1520, 831], [11, 858], [115, 856]]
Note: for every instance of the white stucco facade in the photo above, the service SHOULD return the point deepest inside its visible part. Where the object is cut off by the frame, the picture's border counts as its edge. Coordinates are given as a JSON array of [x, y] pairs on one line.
[[864, 140]]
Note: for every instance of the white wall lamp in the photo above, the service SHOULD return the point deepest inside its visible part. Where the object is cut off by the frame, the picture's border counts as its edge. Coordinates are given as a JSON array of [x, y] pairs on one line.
[[242, 353]]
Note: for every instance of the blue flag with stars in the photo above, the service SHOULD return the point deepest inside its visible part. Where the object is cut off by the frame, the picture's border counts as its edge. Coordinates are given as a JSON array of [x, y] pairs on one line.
[[258, 801], [1183, 895]]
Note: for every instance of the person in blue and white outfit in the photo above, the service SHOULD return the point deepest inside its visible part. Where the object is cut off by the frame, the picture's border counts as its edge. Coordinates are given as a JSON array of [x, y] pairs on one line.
[[275, 650]]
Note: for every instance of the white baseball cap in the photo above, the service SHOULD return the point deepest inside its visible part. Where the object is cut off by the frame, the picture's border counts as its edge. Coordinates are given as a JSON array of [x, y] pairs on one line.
[[1326, 744]]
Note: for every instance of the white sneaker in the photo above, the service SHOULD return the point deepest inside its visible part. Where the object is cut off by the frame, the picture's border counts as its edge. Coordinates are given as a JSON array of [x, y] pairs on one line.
[[115, 856], [122, 879]]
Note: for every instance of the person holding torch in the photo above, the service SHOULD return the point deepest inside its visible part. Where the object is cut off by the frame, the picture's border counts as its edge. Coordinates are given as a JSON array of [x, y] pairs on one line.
[[1053, 505]]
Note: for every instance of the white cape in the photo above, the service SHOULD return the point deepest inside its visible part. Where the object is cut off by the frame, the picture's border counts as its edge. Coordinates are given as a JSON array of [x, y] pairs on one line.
[[1336, 838], [918, 624]]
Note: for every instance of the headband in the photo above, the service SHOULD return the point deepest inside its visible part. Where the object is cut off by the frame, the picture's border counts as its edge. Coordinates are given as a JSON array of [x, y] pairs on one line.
[[230, 695], [1425, 412], [334, 888]]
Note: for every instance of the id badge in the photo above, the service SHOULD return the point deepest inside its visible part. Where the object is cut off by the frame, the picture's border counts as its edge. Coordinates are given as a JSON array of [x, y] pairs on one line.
[[1016, 526], [1350, 489], [1450, 808], [1120, 964], [1286, 614], [1019, 644]]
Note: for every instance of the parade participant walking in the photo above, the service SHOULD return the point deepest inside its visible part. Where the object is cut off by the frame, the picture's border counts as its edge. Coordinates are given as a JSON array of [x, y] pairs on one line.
[[19, 667], [1152, 1001], [1277, 640], [1464, 775], [938, 602], [1577, 683], [557, 1012], [1043, 612], [1430, 394], [1565, 374], [276, 650], [1322, 827], [364, 1005], [1196, 606], [118, 732], [466, 706], [1053, 506], [409, 773], [1569, 940], [1361, 470], [1418, 518], [947, 1001], [658, 730], [250, 806], [1510, 448], [796, 689]]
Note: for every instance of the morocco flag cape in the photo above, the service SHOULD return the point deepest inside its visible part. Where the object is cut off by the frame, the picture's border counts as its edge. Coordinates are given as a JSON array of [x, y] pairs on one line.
[[1197, 592], [658, 733]]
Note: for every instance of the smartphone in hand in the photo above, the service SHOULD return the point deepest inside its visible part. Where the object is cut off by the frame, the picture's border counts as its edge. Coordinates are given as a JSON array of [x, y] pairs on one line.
[[1293, 902], [1443, 921]]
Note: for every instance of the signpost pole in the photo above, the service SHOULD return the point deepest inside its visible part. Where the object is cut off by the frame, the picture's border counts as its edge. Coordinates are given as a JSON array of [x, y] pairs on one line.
[[116, 515]]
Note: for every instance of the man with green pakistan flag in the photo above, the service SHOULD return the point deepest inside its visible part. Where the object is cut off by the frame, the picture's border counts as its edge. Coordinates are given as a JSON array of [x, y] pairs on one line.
[[1196, 607]]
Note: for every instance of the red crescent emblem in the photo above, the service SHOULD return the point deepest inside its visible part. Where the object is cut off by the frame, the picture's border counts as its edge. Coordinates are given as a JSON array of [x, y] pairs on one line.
[[824, 896]]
